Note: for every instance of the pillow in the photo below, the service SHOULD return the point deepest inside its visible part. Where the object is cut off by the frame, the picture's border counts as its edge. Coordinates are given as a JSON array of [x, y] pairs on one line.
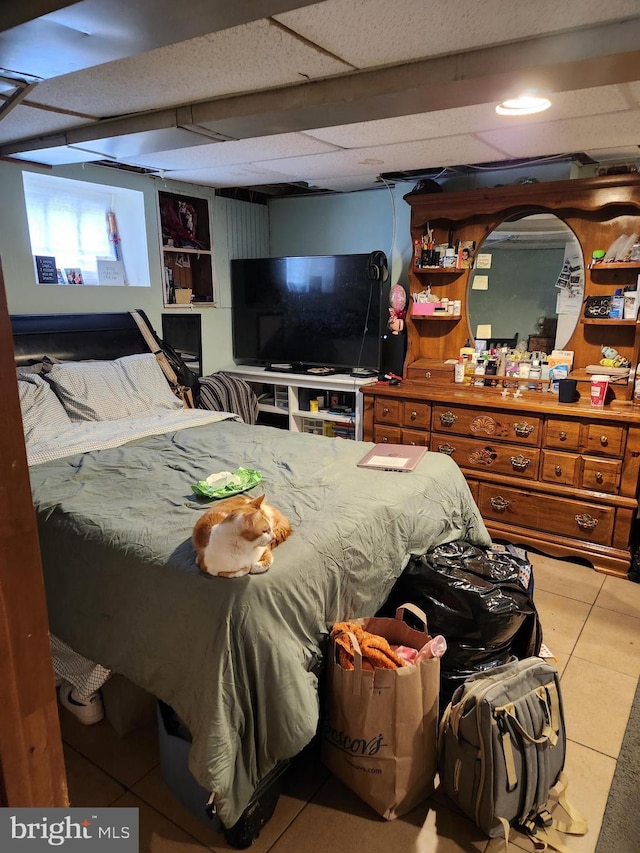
[[43, 415], [109, 390]]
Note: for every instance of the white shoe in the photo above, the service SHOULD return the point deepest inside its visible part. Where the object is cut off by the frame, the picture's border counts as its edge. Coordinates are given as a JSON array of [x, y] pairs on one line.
[[88, 711]]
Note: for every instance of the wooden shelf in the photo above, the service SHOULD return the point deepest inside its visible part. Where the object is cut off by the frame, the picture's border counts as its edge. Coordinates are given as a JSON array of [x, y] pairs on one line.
[[186, 251], [448, 270], [448, 317], [615, 265], [604, 321]]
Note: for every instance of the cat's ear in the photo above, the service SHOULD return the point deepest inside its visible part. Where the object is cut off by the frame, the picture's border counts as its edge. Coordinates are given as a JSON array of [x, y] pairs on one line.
[[257, 502]]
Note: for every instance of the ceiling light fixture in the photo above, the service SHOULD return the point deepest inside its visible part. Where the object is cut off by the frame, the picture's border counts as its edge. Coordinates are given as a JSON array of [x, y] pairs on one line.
[[523, 106]]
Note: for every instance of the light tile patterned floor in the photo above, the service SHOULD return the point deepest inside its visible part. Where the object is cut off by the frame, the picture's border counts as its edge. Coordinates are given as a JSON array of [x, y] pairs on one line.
[[590, 621]]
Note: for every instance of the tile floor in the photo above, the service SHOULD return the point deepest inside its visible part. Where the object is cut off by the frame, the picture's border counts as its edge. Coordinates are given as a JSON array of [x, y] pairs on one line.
[[590, 621]]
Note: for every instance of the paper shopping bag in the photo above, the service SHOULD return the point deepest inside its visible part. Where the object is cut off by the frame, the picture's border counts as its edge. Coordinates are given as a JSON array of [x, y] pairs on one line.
[[379, 730]]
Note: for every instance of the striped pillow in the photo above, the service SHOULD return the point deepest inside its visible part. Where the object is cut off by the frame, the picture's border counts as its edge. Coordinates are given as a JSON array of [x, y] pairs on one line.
[[43, 416], [131, 386]]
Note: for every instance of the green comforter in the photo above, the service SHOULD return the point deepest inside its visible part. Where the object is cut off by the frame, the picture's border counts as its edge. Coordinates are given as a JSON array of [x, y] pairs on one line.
[[237, 659]]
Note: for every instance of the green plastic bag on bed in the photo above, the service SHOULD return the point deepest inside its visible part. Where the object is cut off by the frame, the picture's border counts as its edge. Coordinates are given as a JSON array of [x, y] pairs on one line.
[[225, 484]]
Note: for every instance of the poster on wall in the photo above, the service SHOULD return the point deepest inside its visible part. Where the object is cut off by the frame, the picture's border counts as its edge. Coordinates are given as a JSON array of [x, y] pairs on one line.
[[46, 269]]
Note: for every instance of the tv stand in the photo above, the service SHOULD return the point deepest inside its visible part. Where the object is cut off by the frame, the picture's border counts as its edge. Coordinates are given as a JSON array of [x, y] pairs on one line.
[[284, 398], [299, 367]]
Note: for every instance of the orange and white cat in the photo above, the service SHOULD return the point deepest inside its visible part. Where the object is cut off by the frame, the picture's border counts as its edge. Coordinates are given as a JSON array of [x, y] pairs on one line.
[[235, 537]]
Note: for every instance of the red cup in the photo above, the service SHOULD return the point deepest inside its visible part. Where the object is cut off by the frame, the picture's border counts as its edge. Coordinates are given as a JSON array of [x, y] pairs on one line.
[[599, 386]]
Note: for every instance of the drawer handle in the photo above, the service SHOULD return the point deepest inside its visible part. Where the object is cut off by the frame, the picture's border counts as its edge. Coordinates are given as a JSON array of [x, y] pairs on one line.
[[413, 416], [446, 448], [599, 477], [499, 503], [604, 440], [385, 411], [558, 470], [385, 439], [448, 419], [427, 374], [523, 429], [563, 435], [586, 521], [520, 462]]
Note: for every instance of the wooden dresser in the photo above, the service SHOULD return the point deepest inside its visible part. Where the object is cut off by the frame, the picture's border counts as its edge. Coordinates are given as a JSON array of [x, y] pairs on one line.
[[557, 476], [560, 477]]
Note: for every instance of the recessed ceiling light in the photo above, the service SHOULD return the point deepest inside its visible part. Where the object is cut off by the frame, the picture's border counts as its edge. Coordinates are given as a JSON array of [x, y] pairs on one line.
[[523, 106]]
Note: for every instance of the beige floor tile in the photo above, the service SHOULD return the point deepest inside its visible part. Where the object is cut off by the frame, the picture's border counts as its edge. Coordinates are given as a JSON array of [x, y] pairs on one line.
[[88, 785], [620, 595], [590, 774], [559, 660], [566, 578], [562, 620], [299, 783], [597, 702], [611, 640], [127, 759], [158, 834], [337, 819]]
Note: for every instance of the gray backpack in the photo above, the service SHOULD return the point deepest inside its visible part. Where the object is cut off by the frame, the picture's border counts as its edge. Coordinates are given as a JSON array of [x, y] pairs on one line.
[[502, 750]]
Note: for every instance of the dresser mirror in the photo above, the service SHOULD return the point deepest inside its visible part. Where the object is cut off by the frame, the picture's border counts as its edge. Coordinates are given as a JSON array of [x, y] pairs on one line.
[[527, 286]]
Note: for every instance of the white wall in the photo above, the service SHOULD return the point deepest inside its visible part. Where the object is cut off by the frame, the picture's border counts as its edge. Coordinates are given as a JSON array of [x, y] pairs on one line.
[[239, 230]]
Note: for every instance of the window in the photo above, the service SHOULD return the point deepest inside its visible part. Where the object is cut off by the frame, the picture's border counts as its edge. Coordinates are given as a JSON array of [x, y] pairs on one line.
[[84, 233]]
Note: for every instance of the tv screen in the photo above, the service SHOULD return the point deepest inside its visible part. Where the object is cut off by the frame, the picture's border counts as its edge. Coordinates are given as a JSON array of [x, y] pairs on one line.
[[318, 311]]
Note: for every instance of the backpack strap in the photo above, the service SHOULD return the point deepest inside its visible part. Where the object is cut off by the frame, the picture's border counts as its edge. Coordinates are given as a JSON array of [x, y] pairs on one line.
[[179, 390]]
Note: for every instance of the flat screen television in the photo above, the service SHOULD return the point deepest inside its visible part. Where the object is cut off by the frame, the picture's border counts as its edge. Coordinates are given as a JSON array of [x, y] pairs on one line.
[[297, 312]]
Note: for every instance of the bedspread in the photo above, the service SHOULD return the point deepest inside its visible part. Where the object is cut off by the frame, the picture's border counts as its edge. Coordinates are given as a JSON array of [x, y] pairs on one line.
[[237, 659]]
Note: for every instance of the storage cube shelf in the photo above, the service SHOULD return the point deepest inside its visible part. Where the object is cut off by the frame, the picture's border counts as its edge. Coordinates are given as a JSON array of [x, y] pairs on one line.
[[286, 399]]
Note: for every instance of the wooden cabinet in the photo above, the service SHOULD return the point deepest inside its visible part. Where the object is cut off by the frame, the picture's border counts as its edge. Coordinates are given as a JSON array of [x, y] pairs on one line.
[[559, 477], [597, 210], [187, 257]]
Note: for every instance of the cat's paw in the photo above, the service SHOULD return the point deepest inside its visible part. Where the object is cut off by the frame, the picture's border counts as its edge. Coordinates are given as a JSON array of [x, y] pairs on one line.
[[259, 569]]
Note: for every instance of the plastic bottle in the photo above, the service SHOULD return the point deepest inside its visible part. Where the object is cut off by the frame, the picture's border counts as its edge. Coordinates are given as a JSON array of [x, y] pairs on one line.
[[616, 311], [458, 371]]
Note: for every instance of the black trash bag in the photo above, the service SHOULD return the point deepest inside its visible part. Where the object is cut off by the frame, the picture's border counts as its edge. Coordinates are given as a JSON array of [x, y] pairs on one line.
[[471, 597], [475, 598]]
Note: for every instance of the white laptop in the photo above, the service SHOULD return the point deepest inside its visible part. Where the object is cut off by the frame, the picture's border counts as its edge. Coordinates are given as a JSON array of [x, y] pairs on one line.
[[393, 457]]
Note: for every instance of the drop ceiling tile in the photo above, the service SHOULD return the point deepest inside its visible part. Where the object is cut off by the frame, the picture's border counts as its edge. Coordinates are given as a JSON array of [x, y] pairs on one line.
[[353, 183], [214, 154], [448, 151], [369, 33], [248, 58], [430, 125], [229, 176], [578, 134], [60, 155], [25, 121]]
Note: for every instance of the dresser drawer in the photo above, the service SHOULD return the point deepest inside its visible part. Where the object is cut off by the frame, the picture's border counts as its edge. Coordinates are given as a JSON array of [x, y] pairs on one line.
[[430, 371], [563, 468], [415, 436], [478, 455], [493, 425], [547, 513], [601, 475], [605, 440], [387, 434], [565, 435], [388, 411], [416, 414]]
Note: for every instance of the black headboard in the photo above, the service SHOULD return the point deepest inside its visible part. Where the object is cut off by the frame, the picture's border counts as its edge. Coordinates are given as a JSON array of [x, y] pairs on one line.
[[74, 337]]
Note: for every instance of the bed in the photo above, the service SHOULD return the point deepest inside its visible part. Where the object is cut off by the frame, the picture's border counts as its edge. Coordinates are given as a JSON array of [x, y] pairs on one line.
[[237, 659]]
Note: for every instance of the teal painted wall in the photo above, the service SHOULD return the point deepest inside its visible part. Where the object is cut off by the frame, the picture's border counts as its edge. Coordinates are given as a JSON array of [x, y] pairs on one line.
[[349, 223]]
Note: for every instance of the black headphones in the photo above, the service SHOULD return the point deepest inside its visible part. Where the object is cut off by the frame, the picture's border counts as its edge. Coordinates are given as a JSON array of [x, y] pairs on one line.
[[377, 267]]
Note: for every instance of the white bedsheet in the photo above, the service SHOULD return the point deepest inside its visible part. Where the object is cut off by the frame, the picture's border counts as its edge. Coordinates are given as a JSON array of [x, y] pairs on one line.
[[102, 435]]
